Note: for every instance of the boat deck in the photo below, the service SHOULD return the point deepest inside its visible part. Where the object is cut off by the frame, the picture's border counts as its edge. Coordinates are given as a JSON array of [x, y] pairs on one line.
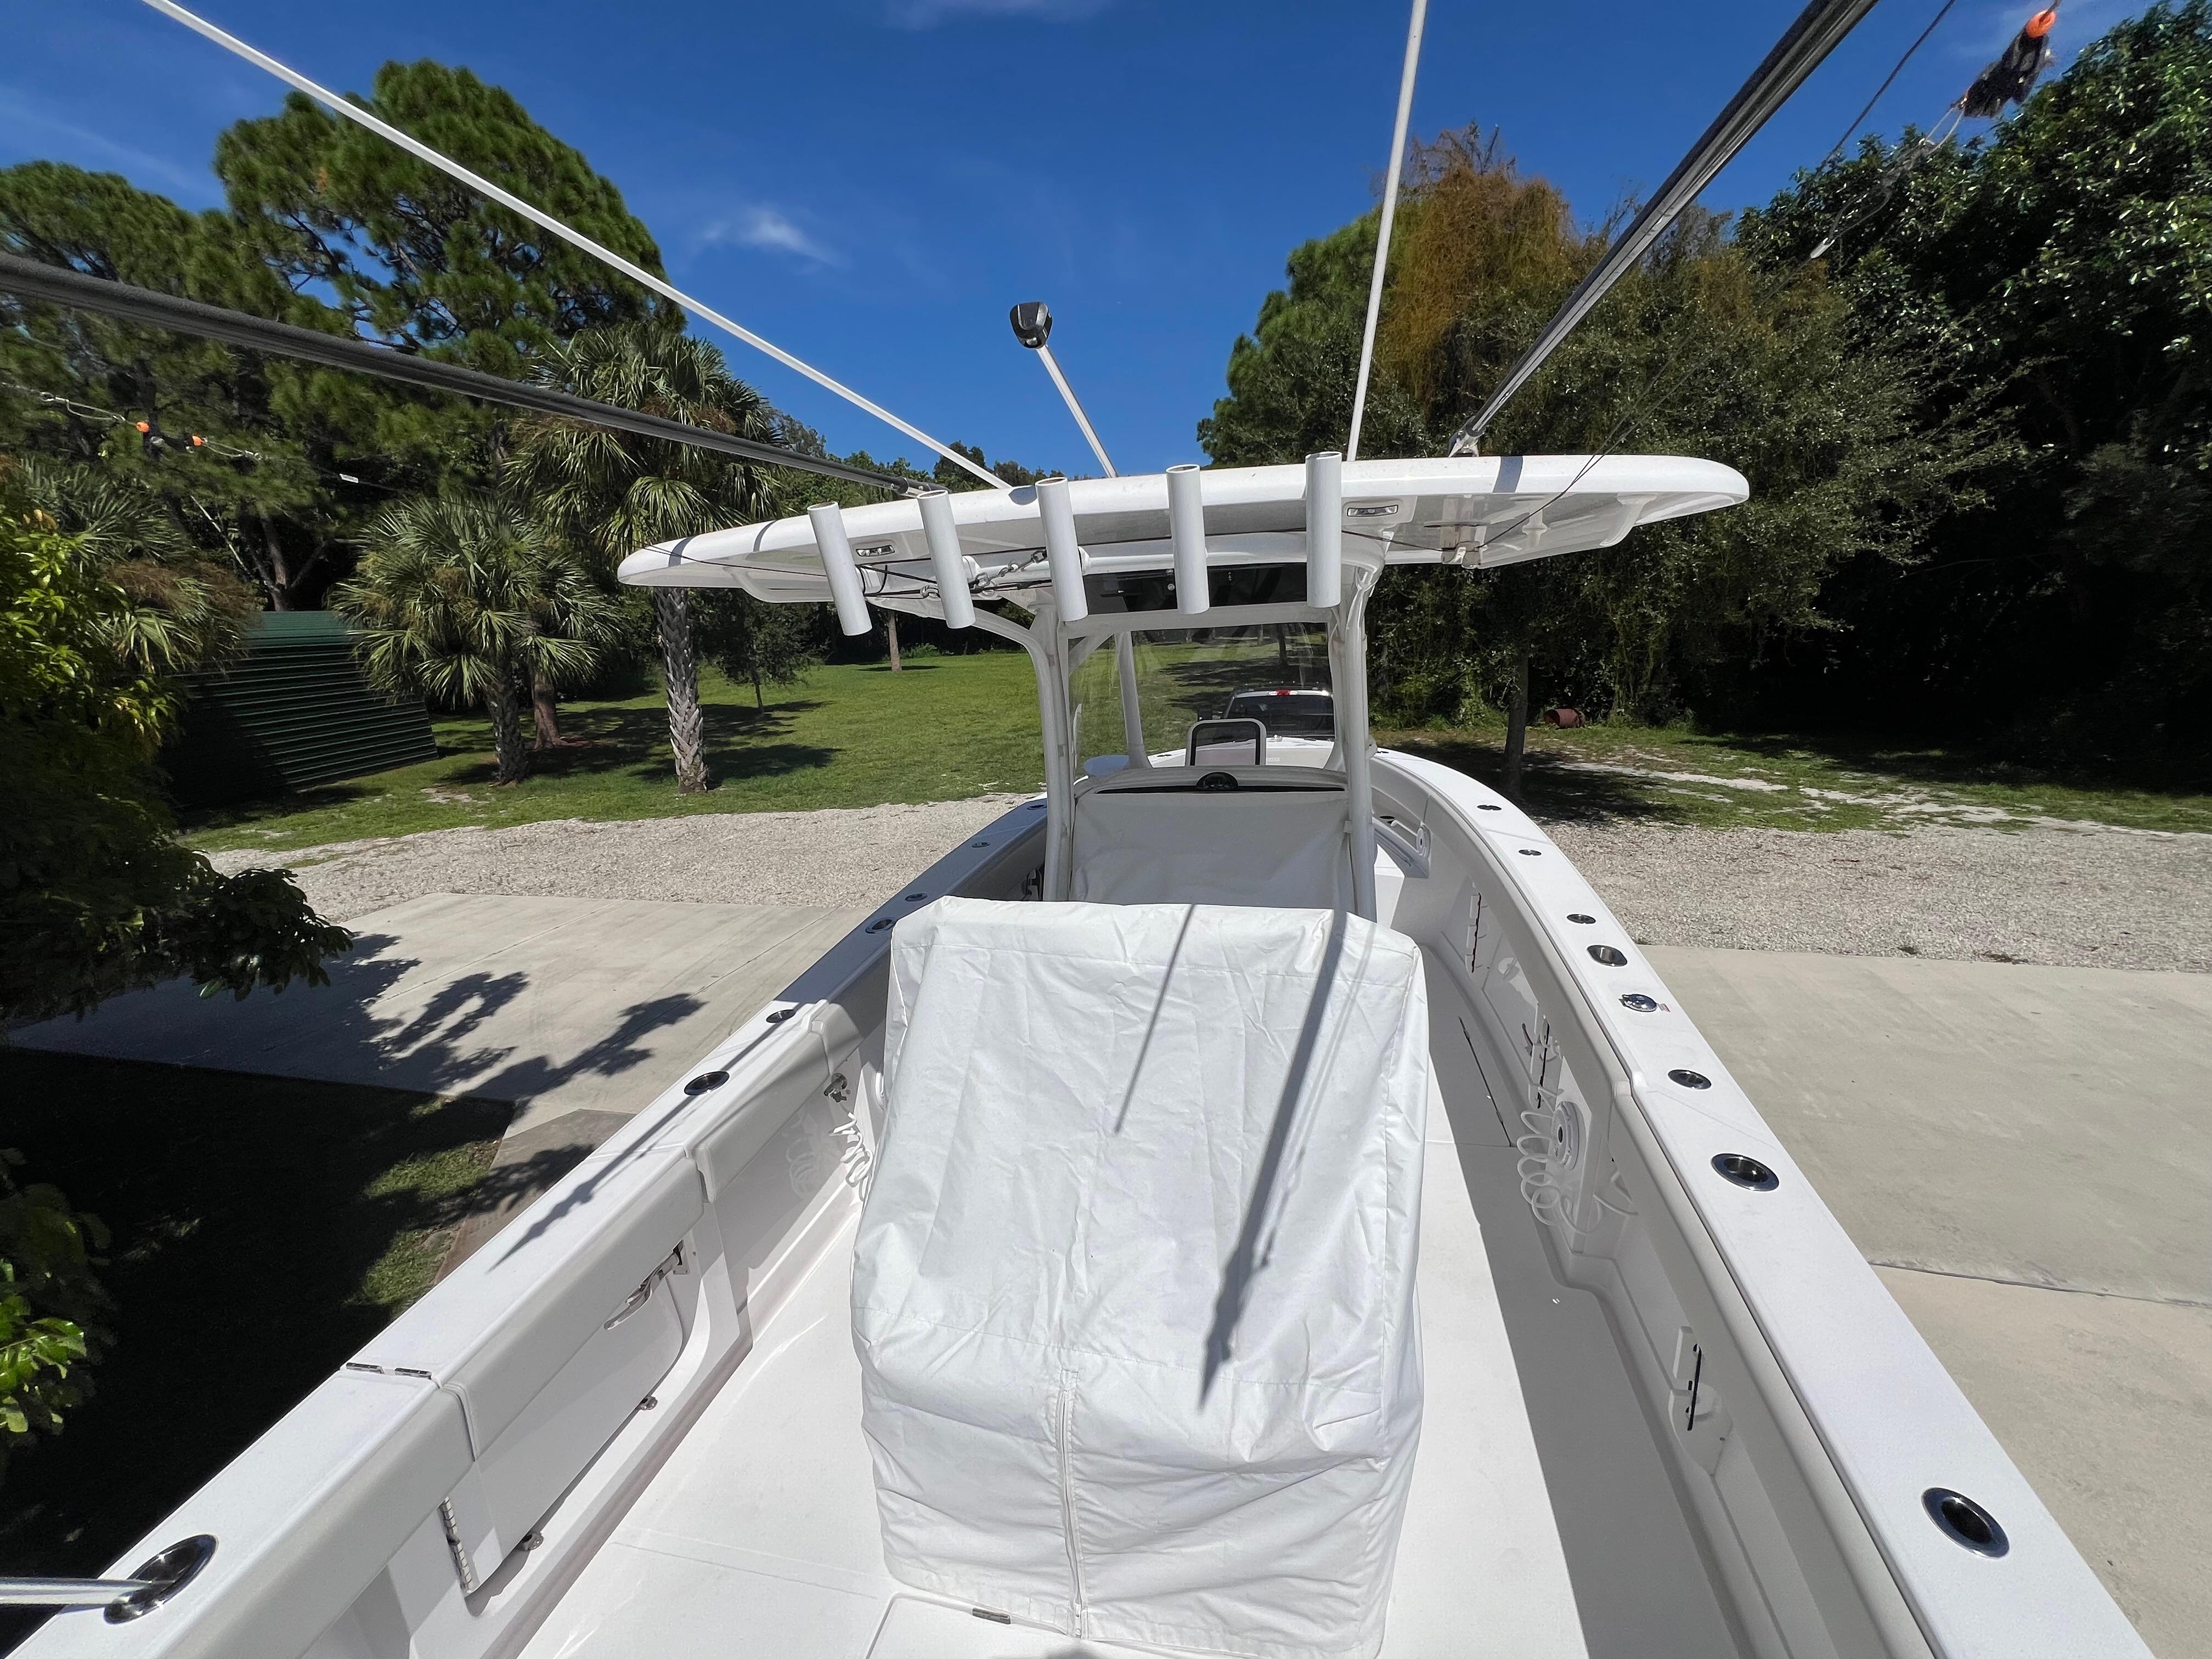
[[760, 1534]]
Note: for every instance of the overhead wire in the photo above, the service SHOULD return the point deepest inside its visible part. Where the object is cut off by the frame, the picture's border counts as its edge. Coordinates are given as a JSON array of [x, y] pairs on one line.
[[1897, 69], [545, 222], [2008, 79]]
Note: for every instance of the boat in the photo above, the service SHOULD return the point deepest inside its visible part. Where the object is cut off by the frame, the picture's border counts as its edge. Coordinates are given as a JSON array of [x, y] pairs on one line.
[[1659, 1404]]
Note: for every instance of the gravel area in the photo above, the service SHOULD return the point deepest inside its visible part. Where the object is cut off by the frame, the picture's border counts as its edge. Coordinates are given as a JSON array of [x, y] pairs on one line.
[[2106, 899], [2111, 899], [835, 857]]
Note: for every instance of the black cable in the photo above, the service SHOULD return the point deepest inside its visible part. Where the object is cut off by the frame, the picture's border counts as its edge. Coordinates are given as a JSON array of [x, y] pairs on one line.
[[33, 279], [1941, 12]]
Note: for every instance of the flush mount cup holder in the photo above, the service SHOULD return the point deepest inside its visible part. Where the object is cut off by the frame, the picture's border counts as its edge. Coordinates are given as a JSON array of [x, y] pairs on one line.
[[1689, 1079], [1579, 919], [161, 1577], [1609, 955], [1745, 1172], [1636, 1002], [1964, 1521], [705, 1082]]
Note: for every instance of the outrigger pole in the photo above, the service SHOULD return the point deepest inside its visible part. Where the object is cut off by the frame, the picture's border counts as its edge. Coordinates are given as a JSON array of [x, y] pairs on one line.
[[545, 222], [32, 280], [1819, 29]]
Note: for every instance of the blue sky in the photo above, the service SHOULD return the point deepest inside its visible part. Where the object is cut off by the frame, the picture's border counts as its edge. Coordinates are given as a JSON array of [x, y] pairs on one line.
[[872, 183]]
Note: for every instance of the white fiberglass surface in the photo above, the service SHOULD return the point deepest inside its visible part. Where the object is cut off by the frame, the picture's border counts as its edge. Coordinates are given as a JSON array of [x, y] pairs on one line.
[[760, 1534]]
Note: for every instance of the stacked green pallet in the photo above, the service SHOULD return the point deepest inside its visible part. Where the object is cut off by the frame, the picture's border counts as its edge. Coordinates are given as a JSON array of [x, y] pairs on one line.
[[292, 711]]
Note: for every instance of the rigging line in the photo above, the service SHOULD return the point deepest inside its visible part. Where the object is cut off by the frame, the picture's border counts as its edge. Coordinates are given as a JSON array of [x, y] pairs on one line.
[[1800, 51], [353, 113], [58, 285], [1382, 230], [1941, 12]]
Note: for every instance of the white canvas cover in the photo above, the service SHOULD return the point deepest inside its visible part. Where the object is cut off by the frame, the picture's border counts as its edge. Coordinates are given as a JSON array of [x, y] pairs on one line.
[[1133, 1286]]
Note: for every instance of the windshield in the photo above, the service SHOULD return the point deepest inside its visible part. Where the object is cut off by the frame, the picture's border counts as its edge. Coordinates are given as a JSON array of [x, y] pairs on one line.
[[1186, 675]]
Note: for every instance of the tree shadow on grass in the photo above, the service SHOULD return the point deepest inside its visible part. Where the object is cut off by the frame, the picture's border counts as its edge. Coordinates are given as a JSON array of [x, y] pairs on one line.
[[1932, 763], [1549, 789]]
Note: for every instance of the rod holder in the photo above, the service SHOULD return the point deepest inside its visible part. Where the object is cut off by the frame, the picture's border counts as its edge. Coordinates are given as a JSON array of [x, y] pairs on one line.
[[836, 548], [1061, 554], [1325, 529], [1187, 529], [943, 538]]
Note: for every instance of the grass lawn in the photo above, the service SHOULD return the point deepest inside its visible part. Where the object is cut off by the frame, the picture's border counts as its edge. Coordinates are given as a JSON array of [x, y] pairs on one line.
[[1674, 775], [949, 727], [847, 735], [263, 1229]]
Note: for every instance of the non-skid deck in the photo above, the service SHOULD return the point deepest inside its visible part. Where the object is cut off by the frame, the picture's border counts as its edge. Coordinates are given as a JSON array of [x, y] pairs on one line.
[[760, 1534]]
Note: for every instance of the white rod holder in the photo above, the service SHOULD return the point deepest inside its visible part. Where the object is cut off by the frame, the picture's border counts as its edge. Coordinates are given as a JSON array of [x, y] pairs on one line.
[[1187, 529], [943, 538], [1061, 554], [1325, 529], [836, 548]]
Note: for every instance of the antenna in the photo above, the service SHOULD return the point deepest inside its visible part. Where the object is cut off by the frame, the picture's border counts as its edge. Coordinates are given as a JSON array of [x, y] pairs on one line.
[[1032, 321], [546, 221], [1382, 230]]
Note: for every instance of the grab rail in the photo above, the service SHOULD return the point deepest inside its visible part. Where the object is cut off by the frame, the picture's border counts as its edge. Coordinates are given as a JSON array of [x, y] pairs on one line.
[[151, 1582]]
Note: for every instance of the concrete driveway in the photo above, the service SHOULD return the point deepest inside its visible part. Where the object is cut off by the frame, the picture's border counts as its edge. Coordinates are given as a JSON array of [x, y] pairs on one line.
[[2026, 1155]]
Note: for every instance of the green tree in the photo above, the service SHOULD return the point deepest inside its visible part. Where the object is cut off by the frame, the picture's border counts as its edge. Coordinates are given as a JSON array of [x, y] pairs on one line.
[[96, 894], [1699, 351], [268, 486], [756, 643], [614, 493], [2065, 264], [50, 1304], [413, 255], [468, 599]]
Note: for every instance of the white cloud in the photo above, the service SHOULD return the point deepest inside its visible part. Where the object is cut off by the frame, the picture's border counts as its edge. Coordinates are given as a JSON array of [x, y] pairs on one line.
[[929, 14], [765, 227]]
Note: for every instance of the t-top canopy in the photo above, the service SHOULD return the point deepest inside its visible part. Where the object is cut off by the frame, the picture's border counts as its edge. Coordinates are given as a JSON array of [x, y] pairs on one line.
[[1480, 510]]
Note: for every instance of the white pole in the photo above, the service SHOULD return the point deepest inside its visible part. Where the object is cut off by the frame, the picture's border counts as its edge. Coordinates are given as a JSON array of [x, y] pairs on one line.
[[1062, 555], [836, 548], [545, 222], [1324, 529], [1133, 711], [1067, 396], [1382, 230], [1187, 529], [1349, 635], [943, 538]]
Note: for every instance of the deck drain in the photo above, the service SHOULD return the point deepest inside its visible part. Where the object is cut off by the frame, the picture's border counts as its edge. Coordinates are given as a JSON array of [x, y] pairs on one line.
[[1640, 1003], [1745, 1172], [1607, 954], [705, 1080], [1689, 1079], [1964, 1521]]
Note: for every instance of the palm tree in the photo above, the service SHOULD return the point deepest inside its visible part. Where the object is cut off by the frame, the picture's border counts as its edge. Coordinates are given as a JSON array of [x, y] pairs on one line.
[[616, 493], [468, 599]]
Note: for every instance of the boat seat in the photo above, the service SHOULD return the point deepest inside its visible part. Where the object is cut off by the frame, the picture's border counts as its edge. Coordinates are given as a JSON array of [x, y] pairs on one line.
[[1132, 1289], [1157, 837]]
